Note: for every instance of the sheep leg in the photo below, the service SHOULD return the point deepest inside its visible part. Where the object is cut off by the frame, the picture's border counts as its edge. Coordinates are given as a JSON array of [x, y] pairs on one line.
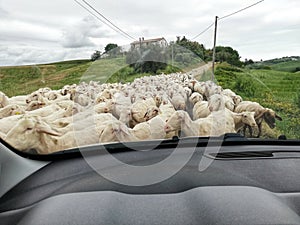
[[259, 130], [244, 130]]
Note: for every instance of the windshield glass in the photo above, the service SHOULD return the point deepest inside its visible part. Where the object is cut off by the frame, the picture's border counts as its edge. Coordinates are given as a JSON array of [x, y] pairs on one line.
[[80, 73]]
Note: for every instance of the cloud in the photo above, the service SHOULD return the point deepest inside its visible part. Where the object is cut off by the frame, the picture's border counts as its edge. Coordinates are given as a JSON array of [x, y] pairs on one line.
[[62, 29], [80, 34], [30, 55]]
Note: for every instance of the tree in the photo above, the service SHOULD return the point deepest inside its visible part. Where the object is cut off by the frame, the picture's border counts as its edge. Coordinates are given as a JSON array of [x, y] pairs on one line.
[[148, 59], [249, 62], [113, 50], [228, 54], [192, 46], [110, 47], [96, 55]]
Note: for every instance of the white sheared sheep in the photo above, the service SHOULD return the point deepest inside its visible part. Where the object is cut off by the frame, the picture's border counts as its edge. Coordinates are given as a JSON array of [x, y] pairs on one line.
[[33, 133], [210, 126], [7, 123], [261, 113], [3, 100], [36, 96], [178, 102], [201, 110], [11, 110], [79, 97], [33, 105], [242, 119], [139, 110], [195, 97], [45, 111], [105, 107], [119, 132]]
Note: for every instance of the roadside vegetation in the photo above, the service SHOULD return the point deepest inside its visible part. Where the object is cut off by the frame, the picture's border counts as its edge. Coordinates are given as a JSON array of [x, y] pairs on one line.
[[273, 89]]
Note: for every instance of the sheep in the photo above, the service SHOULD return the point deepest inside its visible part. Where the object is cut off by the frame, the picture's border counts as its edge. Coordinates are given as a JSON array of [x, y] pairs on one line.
[[7, 123], [152, 112], [3, 100], [200, 87], [18, 100], [242, 119], [36, 96], [33, 105], [213, 125], [180, 120], [10, 110], [228, 93], [104, 107], [229, 103], [33, 133], [105, 94], [178, 102], [261, 113], [138, 111], [201, 110], [117, 132], [80, 98], [195, 97], [52, 95], [150, 130], [45, 111], [216, 102], [237, 99]]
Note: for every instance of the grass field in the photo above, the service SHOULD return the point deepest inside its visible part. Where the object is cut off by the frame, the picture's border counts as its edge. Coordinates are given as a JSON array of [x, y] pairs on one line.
[[277, 90], [274, 89], [21, 80], [291, 66]]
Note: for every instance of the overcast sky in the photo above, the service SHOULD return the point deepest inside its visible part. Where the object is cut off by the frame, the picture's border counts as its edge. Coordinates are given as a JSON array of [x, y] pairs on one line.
[[42, 31]]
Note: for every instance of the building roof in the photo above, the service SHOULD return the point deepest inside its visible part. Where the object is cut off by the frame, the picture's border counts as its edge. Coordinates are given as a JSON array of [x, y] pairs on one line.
[[148, 41]]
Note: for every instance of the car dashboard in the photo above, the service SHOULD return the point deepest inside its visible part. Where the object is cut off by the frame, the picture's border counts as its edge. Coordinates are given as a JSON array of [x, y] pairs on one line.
[[243, 184]]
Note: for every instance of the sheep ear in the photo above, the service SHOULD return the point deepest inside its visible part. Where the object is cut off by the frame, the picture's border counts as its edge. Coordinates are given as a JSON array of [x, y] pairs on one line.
[[278, 117], [47, 130], [261, 113]]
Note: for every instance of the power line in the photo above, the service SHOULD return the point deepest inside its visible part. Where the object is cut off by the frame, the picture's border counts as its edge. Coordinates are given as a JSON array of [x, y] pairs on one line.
[[202, 32], [108, 20], [99, 18], [231, 14], [223, 17]]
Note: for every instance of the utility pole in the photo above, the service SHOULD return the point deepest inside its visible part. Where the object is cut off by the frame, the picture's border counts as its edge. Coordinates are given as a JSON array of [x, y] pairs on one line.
[[214, 50], [172, 55]]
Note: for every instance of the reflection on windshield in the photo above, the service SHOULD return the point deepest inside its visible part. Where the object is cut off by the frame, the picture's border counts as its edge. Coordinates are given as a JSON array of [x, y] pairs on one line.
[[147, 91]]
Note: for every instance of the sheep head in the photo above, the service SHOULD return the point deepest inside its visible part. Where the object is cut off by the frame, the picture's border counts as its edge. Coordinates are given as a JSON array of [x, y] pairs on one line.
[[174, 123], [248, 118], [26, 134], [270, 116]]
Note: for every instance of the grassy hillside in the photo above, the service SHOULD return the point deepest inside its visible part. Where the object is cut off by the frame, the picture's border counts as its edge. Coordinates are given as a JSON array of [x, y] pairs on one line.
[[20, 80], [291, 64], [273, 89]]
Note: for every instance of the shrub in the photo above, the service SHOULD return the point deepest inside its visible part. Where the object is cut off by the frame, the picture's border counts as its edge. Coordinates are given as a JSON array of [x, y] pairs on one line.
[[245, 85], [297, 99]]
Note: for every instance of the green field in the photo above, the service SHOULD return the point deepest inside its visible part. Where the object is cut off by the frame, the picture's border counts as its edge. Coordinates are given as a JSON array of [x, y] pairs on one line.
[[290, 66], [277, 90]]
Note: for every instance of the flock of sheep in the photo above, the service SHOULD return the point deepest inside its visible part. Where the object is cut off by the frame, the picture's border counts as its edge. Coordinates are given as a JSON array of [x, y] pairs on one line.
[[152, 107]]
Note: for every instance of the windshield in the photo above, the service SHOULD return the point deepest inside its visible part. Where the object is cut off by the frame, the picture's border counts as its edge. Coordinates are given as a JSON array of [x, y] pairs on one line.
[[80, 73]]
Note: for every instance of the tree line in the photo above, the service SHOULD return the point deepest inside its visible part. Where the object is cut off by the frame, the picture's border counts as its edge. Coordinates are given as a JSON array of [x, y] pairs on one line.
[[182, 52]]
